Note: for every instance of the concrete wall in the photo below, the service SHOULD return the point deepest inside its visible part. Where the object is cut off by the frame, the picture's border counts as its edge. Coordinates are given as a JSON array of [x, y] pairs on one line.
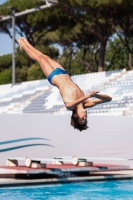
[[110, 137]]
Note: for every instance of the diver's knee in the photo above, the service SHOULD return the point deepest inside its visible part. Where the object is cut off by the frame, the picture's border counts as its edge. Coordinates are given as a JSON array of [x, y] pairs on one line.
[[42, 57]]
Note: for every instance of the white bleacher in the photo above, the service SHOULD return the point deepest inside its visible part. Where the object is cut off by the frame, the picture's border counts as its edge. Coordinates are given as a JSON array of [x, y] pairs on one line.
[[14, 98], [41, 97], [86, 81], [122, 92]]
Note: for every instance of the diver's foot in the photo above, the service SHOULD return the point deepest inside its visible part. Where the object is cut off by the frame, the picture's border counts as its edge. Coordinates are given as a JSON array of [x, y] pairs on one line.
[[21, 42]]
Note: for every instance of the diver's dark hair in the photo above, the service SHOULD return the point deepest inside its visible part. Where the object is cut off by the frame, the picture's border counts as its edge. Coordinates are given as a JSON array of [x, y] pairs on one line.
[[75, 123]]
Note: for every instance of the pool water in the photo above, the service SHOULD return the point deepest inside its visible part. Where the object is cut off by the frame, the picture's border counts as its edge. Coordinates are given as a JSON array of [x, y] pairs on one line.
[[110, 190]]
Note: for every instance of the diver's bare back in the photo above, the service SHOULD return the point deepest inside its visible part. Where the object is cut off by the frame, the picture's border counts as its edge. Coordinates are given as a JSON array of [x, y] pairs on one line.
[[69, 90]]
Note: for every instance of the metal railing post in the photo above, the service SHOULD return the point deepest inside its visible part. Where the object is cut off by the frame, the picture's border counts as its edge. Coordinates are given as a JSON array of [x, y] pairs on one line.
[[13, 48]]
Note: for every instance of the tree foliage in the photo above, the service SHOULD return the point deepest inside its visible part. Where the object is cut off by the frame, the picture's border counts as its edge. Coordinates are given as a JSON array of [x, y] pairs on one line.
[[83, 35], [35, 73], [6, 76]]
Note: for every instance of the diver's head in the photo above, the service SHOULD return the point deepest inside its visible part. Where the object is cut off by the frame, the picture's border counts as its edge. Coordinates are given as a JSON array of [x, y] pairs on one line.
[[79, 120]]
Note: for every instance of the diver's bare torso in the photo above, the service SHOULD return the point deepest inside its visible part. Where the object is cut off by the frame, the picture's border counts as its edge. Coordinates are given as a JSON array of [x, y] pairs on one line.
[[69, 90]]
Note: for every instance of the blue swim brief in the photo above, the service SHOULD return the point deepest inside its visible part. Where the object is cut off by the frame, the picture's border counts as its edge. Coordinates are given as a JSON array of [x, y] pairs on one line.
[[56, 72]]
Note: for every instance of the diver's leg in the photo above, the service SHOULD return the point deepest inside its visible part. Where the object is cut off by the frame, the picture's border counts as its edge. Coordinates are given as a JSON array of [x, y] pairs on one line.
[[38, 56], [30, 46], [51, 62]]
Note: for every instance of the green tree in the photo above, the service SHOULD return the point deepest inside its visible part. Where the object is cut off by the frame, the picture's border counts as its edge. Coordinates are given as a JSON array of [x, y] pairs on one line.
[[96, 17], [21, 74], [6, 76], [125, 32], [35, 73], [83, 30], [116, 55], [5, 62]]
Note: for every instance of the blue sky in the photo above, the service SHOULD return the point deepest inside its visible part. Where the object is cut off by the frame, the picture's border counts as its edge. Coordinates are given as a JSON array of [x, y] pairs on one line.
[[5, 41]]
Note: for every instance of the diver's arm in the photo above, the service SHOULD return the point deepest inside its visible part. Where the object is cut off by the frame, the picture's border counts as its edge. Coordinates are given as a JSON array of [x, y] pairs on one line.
[[99, 98], [72, 105], [105, 98]]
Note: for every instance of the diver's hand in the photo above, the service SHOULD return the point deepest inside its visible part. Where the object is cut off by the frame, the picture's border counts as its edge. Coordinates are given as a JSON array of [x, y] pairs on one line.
[[92, 93]]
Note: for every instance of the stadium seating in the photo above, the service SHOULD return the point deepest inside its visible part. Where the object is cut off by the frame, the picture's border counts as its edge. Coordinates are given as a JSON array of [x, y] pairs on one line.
[[41, 97]]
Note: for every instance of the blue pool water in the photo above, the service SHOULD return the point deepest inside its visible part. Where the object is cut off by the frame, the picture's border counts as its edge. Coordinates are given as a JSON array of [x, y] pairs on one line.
[[111, 190]]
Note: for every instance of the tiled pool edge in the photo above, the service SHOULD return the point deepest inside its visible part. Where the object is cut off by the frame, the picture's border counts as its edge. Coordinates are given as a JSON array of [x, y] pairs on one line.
[[18, 182]]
